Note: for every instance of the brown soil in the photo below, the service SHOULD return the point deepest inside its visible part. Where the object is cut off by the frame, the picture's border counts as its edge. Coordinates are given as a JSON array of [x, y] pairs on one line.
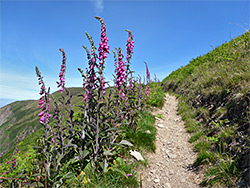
[[170, 165]]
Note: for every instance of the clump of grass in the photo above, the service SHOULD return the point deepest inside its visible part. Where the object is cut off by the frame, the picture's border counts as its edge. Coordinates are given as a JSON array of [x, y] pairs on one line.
[[224, 172], [196, 136], [144, 137], [161, 116], [119, 174], [188, 115], [156, 97], [205, 157], [202, 146]]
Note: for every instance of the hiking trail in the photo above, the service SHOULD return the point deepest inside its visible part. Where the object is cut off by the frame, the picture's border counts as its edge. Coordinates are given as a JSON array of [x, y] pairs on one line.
[[169, 166]]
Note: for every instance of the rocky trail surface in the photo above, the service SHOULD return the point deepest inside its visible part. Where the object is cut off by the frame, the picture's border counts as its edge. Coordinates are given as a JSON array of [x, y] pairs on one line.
[[169, 166]]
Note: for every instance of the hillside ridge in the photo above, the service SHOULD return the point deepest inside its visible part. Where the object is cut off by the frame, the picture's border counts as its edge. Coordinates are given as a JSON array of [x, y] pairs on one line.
[[214, 100]]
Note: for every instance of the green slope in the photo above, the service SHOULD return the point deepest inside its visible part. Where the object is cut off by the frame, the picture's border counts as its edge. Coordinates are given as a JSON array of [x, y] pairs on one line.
[[20, 119], [214, 95]]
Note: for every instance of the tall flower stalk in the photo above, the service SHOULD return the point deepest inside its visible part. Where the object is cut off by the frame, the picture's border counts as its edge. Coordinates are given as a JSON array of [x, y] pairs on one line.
[[61, 82], [130, 46], [148, 79], [44, 100], [120, 70], [103, 52], [103, 45]]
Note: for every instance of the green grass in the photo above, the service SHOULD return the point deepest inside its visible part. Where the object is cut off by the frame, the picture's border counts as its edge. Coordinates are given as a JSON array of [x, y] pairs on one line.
[[224, 172], [161, 116], [202, 146], [205, 157], [156, 95], [196, 136], [144, 137], [116, 176], [188, 115]]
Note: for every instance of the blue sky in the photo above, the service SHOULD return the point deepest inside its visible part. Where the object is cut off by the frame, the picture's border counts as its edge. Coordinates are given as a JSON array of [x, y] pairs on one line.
[[167, 35]]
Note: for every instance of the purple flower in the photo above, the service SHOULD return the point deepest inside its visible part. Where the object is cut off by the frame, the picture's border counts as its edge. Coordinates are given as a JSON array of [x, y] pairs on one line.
[[147, 90], [8, 172], [41, 101], [103, 45], [61, 83], [85, 97], [147, 71], [103, 85], [129, 175], [42, 119], [44, 100], [41, 106], [61, 90], [130, 46], [123, 95], [41, 114], [120, 70], [48, 115]]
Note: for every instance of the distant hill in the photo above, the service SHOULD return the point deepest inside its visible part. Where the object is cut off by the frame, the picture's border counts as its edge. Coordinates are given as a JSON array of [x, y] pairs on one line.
[[21, 119], [4, 102], [214, 100]]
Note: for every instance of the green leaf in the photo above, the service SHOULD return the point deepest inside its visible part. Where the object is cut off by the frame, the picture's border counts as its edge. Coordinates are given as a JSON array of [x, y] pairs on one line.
[[120, 171], [68, 175], [120, 161], [84, 153], [88, 168]]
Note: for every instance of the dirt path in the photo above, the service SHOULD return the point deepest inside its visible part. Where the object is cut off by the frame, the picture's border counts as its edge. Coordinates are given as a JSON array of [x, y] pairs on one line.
[[169, 165]]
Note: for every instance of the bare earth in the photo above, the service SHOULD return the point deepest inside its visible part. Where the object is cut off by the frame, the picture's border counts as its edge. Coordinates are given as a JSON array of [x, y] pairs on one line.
[[169, 165]]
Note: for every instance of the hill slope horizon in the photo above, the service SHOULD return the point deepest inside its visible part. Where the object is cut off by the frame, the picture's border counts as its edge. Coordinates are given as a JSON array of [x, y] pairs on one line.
[[20, 119], [214, 100], [4, 102]]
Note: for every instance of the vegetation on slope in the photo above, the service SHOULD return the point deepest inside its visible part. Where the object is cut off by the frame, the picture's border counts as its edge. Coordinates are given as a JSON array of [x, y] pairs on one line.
[[143, 140], [214, 100], [21, 120]]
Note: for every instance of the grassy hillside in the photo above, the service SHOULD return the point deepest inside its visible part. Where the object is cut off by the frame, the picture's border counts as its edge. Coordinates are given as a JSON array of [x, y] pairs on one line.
[[20, 119], [214, 95]]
